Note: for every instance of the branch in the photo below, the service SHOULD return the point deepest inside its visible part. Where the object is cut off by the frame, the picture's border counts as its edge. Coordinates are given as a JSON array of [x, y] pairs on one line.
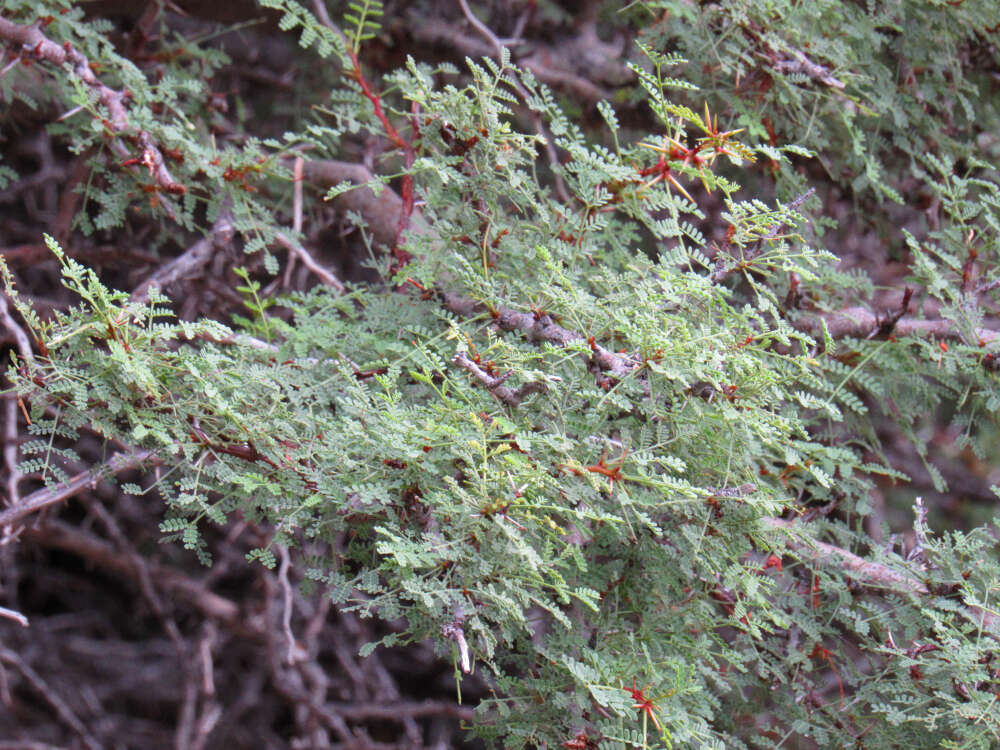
[[495, 385], [398, 711], [877, 575], [297, 251], [542, 328], [34, 42], [800, 63], [21, 339], [860, 323], [498, 46], [52, 495], [191, 260], [721, 272], [547, 63], [380, 211], [454, 631], [11, 400], [62, 709], [11, 614], [97, 552]]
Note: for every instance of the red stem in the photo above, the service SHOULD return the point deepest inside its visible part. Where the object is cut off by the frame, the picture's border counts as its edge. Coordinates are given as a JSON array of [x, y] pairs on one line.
[[402, 257]]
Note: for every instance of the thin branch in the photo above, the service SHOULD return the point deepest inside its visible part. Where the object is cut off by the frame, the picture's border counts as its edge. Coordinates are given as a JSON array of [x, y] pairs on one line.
[[485, 30], [721, 272], [378, 211], [542, 328], [62, 709], [541, 63], [397, 711], [61, 536], [495, 385], [319, 8], [21, 339], [454, 631], [888, 325], [800, 63], [10, 441], [550, 149], [191, 260], [286, 608], [869, 573], [297, 251], [51, 495], [11, 614], [858, 322], [34, 42], [987, 286], [297, 171]]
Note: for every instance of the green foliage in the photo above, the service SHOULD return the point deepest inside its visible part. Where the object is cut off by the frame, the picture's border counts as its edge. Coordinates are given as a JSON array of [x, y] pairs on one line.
[[614, 530], [870, 87]]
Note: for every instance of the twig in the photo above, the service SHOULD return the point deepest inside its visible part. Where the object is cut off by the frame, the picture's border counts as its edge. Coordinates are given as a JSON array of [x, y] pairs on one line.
[[484, 30], [858, 322], [550, 150], [721, 272], [296, 250], [209, 633], [10, 441], [454, 631], [319, 8], [34, 42], [436, 31], [291, 655], [887, 326], [542, 328], [987, 286], [296, 215], [918, 553], [206, 723], [11, 614], [495, 384], [870, 573], [62, 709], [192, 259], [396, 711], [802, 64], [57, 535], [52, 495], [186, 713], [381, 212], [378, 210], [21, 340], [289, 681]]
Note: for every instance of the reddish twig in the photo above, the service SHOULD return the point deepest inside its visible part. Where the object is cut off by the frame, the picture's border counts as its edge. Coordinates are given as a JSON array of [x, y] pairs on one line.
[[402, 257]]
